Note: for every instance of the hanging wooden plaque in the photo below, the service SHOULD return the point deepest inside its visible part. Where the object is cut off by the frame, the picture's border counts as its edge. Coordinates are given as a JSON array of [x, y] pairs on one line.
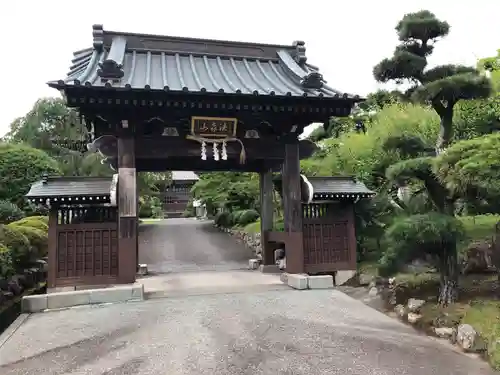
[[213, 127]]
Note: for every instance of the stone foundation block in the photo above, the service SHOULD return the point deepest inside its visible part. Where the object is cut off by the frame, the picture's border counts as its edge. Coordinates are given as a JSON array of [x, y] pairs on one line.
[[68, 299], [297, 281], [143, 270], [269, 268], [110, 295], [253, 264], [284, 278], [342, 277], [33, 304], [320, 282]]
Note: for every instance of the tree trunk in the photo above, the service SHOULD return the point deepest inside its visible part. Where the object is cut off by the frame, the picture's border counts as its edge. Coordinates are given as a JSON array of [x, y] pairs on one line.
[[448, 292], [446, 128]]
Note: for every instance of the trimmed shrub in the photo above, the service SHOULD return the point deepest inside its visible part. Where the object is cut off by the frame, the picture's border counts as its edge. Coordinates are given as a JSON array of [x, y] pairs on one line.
[[18, 245], [38, 222], [246, 217], [6, 265], [9, 212], [223, 219], [39, 239]]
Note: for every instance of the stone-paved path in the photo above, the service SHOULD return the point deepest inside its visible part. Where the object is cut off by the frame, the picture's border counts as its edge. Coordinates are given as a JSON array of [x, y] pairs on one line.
[[183, 245], [264, 331]]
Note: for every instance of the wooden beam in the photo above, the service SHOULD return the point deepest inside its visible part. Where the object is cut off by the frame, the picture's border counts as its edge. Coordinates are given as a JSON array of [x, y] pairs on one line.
[[127, 210], [171, 147], [266, 214], [293, 209], [52, 272]]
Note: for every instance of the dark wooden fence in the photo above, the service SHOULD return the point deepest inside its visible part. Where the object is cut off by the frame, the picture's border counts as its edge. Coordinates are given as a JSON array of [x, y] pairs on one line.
[[86, 247], [329, 237]]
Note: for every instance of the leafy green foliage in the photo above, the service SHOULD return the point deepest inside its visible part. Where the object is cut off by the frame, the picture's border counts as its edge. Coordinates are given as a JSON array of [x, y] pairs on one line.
[[471, 165], [9, 212], [247, 217], [18, 245], [442, 86], [20, 166], [150, 207], [6, 264], [411, 237], [228, 189], [491, 65], [473, 118], [38, 239], [38, 222]]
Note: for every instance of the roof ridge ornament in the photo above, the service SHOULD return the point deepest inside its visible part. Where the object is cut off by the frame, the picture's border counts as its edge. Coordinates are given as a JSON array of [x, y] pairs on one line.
[[313, 80], [112, 67], [98, 34], [300, 52]]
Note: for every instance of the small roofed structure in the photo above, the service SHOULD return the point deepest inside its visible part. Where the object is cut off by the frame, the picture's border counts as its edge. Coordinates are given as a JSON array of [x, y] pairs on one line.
[[178, 193], [83, 224], [327, 208]]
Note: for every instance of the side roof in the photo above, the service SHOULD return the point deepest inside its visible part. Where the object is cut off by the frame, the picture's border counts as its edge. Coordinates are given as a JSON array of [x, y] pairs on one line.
[[150, 62], [71, 189], [184, 176], [338, 187]]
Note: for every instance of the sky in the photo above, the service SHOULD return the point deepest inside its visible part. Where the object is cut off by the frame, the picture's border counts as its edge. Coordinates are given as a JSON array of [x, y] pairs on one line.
[[345, 39]]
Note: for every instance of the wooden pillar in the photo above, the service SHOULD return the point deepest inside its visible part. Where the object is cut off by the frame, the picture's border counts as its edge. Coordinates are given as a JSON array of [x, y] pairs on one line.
[[52, 264], [293, 209], [266, 214], [127, 210]]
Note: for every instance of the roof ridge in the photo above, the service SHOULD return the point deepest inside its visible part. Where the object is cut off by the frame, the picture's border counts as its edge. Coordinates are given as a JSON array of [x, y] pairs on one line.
[[99, 33]]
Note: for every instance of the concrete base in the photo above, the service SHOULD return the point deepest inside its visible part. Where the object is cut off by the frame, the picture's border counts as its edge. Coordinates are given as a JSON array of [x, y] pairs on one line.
[[143, 270], [269, 268], [297, 281], [342, 277], [57, 300], [320, 282], [253, 264]]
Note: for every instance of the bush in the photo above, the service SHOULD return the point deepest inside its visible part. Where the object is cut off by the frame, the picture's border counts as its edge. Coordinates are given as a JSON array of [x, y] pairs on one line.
[[9, 212], [18, 245], [246, 217], [223, 219], [38, 222], [415, 236], [39, 239], [6, 265]]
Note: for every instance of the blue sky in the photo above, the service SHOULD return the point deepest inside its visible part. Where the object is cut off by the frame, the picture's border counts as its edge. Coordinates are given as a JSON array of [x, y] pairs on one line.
[[344, 38]]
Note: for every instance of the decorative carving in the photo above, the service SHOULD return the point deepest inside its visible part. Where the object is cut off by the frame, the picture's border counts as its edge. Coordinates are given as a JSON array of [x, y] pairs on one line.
[[252, 133], [110, 70], [313, 80], [300, 52], [98, 34], [170, 132]]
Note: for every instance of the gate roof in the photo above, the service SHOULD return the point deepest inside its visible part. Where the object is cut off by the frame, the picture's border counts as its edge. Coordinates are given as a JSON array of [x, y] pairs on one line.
[[124, 61]]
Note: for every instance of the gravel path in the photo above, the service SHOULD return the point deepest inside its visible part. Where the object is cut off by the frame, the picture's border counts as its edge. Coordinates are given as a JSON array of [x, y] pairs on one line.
[[265, 331], [184, 245]]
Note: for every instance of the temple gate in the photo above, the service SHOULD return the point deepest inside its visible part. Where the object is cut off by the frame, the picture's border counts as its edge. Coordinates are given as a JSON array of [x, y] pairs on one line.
[[158, 103]]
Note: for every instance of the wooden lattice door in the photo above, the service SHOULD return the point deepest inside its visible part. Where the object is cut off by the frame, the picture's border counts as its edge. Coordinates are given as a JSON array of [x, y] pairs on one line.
[[329, 238]]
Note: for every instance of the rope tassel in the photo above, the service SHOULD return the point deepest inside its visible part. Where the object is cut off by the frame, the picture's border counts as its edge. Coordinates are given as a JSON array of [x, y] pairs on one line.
[[215, 143]]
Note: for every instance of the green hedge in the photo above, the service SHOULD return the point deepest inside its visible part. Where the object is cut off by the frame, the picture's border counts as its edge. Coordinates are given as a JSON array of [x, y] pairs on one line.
[[18, 244], [38, 222], [240, 218], [6, 264], [38, 239]]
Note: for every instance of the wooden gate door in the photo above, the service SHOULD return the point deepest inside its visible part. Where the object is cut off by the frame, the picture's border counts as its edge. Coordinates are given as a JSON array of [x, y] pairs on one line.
[[329, 238], [86, 247]]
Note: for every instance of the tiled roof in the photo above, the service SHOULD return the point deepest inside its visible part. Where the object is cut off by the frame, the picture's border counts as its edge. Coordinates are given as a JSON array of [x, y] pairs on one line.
[[71, 189], [136, 61], [184, 176], [338, 187]]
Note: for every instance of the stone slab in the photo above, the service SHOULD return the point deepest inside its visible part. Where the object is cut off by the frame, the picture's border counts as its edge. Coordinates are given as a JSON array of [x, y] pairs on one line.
[[68, 299], [61, 289], [253, 264], [35, 303], [320, 282], [342, 277], [297, 281], [269, 268]]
